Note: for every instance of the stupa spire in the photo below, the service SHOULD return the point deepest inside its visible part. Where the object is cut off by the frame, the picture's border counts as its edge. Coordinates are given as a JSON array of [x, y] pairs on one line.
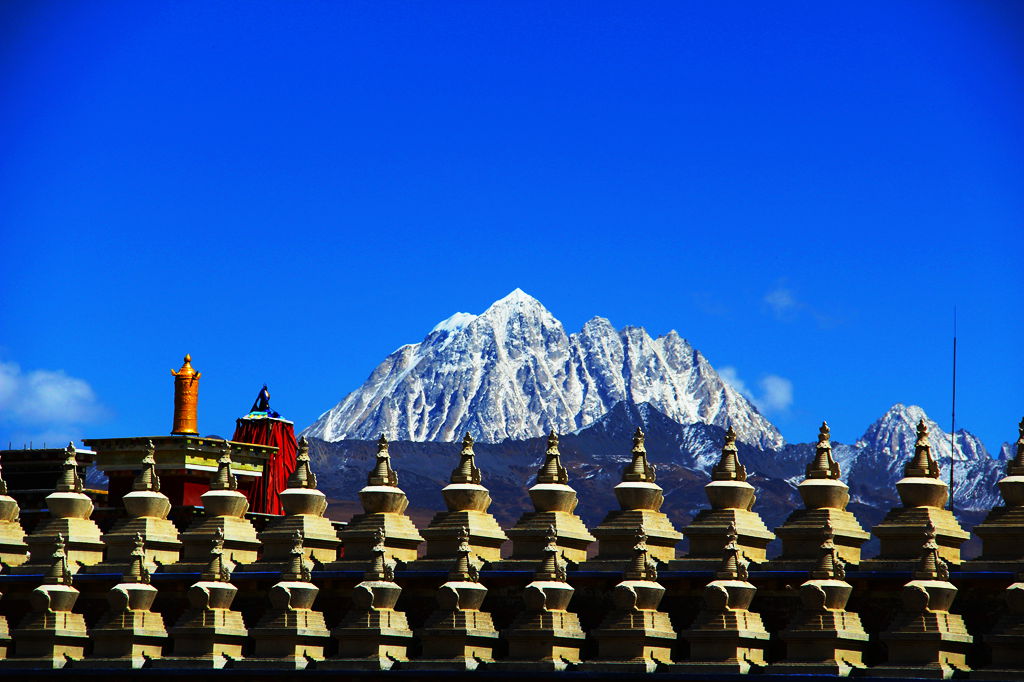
[[148, 480], [551, 567], [216, 571], [1016, 465], [70, 481], [641, 567], [302, 476], [463, 570], [639, 470], [931, 566], [824, 465], [298, 567], [466, 471], [382, 473], [922, 465], [380, 568], [224, 479], [734, 566], [829, 565], [59, 573], [552, 470], [728, 467], [137, 571]]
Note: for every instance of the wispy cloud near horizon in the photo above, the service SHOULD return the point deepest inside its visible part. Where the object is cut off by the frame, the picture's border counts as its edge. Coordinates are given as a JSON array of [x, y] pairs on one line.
[[774, 394], [45, 405]]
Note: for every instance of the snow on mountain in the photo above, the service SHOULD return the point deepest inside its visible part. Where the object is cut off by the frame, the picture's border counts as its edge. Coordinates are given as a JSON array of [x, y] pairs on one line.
[[881, 453], [514, 372]]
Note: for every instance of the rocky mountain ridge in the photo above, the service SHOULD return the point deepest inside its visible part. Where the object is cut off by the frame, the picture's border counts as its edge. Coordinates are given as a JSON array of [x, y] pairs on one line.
[[683, 455], [513, 372]]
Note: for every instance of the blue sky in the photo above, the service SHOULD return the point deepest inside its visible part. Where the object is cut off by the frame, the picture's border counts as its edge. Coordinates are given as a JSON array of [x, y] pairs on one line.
[[291, 191]]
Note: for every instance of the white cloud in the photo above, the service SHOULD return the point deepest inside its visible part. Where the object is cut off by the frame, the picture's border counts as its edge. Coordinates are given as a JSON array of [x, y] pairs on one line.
[[775, 394], [781, 301], [46, 396]]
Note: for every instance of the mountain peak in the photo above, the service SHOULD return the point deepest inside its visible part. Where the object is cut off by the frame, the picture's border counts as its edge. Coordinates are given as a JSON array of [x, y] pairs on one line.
[[514, 372], [516, 298], [454, 323]]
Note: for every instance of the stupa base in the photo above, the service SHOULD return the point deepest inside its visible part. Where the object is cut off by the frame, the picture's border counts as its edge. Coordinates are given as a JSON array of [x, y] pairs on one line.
[[838, 668], [446, 664], [635, 667], [932, 671]]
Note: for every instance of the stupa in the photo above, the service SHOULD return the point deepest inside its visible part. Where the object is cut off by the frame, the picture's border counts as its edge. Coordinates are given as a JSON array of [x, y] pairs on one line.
[[224, 521], [373, 635], [546, 635], [825, 498], [5, 637], [209, 634], [1006, 641], [554, 502], [732, 499], [70, 520], [635, 636], [824, 638], [147, 510], [903, 529], [726, 637], [1002, 531], [925, 639], [13, 550], [458, 636], [291, 635], [51, 635], [130, 634], [304, 507], [467, 501], [640, 500], [384, 505]]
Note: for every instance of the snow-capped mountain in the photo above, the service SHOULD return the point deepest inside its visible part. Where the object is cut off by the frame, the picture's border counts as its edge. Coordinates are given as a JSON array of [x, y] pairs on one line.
[[513, 372], [878, 457]]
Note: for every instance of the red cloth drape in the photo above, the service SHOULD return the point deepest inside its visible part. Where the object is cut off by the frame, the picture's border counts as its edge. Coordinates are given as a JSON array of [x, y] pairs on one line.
[[281, 434]]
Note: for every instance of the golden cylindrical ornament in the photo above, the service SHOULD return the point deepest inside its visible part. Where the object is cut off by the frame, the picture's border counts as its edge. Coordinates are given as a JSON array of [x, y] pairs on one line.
[[186, 399]]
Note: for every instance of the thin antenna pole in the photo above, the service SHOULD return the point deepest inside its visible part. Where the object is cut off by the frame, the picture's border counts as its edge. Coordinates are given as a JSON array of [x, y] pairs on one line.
[[952, 426]]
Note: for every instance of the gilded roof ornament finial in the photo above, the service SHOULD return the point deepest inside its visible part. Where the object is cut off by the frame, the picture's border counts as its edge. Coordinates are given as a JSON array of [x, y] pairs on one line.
[[148, 480], [70, 481], [216, 571], [552, 471], [186, 398], [734, 566], [639, 470], [824, 465], [382, 473], [224, 479], [59, 573], [728, 467], [302, 476], [922, 465], [466, 471], [137, 571]]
